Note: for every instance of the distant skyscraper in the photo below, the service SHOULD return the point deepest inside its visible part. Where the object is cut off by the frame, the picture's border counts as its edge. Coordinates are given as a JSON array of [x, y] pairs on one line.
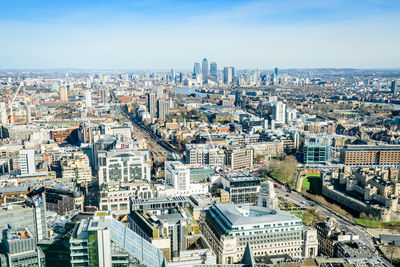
[[163, 109], [27, 161], [173, 74], [151, 104], [276, 71], [229, 72], [63, 94], [88, 99], [3, 113], [204, 69], [394, 87], [213, 69], [196, 69], [181, 77]]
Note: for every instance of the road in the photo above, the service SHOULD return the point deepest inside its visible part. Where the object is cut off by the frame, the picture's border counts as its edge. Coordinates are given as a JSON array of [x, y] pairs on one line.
[[302, 202]]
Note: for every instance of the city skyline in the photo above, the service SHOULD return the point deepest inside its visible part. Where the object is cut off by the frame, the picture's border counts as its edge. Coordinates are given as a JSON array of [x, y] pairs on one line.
[[161, 35]]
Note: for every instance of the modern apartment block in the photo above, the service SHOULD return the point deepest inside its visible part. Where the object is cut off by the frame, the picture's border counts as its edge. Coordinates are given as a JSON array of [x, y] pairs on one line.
[[370, 155], [229, 228]]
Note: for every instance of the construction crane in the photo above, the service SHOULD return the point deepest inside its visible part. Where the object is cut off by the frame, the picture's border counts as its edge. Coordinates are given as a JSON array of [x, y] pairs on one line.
[[12, 103]]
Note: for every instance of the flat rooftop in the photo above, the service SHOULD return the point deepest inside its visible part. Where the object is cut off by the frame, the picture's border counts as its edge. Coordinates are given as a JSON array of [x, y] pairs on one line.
[[245, 214]]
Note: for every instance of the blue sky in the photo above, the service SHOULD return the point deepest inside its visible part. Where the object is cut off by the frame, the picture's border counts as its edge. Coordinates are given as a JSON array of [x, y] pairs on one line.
[[161, 34]]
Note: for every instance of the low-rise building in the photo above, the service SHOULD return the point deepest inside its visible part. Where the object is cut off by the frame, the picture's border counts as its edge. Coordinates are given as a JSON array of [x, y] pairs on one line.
[[229, 228]]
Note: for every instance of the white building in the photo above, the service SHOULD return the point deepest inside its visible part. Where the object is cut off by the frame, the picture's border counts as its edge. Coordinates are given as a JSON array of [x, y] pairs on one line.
[[123, 165], [27, 161], [177, 175], [279, 112], [88, 99], [229, 228], [267, 197]]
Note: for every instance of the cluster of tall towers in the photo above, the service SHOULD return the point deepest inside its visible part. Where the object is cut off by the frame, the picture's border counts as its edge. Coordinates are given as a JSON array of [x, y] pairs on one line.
[[208, 71]]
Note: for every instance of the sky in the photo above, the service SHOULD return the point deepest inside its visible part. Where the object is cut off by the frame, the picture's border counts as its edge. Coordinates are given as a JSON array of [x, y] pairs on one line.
[[164, 34]]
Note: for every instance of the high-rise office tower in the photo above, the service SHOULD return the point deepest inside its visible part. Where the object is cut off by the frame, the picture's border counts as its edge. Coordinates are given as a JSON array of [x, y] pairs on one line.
[[3, 113], [163, 109], [276, 71], [27, 161], [63, 94], [172, 74], [229, 72], [196, 69], [213, 69], [181, 77], [394, 87], [204, 69], [88, 99], [151, 104]]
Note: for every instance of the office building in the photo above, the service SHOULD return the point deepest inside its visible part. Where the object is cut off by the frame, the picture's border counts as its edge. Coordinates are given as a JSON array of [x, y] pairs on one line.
[[123, 165], [18, 216], [242, 188], [329, 233], [317, 150], [370, 155], [177, 175], [196, 69], [101, 240], [176, 233], [162, 109], [204, 154], [204, 69], [394, 87], [229, 73], [27, 161], [229, 228], [213, 69], [173, 74], [75, 166], [20, 249], [238, 158], [151, 104], [88, 99], [159, 205], [63, 94], [276, 72], [63, 200], [117, 197]]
